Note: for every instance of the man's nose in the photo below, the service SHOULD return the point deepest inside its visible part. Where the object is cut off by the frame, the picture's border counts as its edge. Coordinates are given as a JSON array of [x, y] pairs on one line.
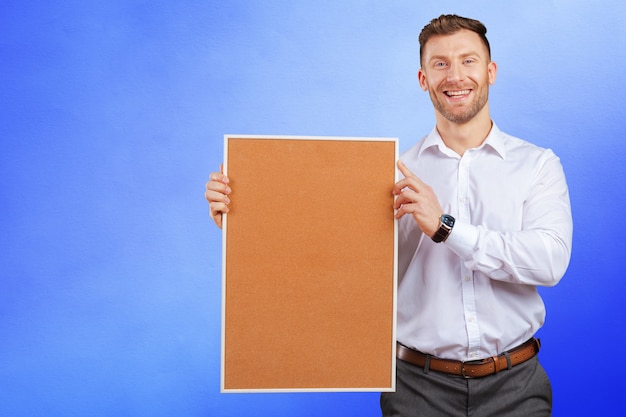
[[455, 73]]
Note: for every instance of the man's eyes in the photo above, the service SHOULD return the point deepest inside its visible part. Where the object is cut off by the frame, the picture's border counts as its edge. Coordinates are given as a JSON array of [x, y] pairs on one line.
[[443, 64]]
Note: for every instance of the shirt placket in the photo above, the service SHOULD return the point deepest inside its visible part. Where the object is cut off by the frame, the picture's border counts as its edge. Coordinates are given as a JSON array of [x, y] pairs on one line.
[[467, 276]]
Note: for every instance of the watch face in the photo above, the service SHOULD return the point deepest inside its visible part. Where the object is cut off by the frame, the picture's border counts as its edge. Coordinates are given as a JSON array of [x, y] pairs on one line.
[[447, 220]]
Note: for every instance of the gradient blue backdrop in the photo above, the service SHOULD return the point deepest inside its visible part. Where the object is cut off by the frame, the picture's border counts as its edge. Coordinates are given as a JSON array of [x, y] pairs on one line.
[[113, 114]]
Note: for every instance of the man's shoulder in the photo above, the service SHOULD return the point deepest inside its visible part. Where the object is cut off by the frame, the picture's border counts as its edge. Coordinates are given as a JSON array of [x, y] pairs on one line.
[[515, 145], [428, 140], [415, 149]]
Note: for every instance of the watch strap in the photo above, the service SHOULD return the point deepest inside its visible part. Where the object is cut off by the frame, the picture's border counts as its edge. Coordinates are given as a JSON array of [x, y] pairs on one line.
[[441, 234]]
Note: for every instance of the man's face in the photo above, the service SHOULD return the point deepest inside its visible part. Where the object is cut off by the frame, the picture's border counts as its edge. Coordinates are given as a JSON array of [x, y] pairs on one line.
[[456, 71]]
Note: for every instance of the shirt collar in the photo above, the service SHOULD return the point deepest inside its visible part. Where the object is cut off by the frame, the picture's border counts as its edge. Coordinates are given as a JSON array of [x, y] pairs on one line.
[[494, 140]]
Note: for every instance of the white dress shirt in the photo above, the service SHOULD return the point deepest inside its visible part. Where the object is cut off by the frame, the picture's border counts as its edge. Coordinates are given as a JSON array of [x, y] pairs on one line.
[[475, 295]]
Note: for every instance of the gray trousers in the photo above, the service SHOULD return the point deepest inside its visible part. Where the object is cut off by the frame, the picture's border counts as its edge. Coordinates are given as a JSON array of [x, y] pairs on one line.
[[523, 391]]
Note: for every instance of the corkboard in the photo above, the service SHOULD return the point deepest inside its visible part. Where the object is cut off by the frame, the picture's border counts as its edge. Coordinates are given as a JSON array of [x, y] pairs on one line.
[[309, 264]]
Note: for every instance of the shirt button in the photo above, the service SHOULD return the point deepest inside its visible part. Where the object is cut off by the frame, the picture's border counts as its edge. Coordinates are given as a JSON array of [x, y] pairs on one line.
[[467, 278]]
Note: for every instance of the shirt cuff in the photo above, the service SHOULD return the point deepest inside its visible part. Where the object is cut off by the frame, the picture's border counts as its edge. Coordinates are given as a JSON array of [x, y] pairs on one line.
[[463, 239]]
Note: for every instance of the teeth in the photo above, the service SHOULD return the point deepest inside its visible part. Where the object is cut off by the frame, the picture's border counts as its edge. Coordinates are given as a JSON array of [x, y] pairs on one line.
[[458, 93]]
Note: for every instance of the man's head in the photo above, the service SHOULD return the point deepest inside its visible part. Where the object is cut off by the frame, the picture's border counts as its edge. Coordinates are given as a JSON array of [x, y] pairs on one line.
[[456, 68], [447, 24]]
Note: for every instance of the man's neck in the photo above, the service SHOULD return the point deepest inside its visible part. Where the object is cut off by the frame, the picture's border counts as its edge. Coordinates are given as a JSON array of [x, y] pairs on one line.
[[461, 137]]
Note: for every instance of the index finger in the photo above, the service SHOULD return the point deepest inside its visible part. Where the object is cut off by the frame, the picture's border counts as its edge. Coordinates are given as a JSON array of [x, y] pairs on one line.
[[410, 180], [404, 169]]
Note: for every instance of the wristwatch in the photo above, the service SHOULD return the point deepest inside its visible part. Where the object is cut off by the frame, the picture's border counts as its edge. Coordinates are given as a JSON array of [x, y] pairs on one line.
[[446, 223]]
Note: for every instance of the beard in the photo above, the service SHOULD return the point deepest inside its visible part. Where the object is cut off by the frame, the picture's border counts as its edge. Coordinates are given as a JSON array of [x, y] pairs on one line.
[[460, 114]]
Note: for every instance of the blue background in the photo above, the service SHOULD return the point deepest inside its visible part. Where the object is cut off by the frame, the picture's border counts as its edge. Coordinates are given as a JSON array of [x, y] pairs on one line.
[[113, 114]]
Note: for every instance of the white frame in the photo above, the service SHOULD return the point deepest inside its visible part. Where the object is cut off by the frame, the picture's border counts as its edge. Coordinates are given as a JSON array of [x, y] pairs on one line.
[[395, 272]]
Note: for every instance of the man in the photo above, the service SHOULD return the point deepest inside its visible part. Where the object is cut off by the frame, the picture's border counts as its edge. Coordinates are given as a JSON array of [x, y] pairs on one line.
[[484, 218]]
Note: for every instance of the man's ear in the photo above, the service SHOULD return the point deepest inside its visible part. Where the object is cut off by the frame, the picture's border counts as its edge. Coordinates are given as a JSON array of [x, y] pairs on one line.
[[492, 70], [421, 77]]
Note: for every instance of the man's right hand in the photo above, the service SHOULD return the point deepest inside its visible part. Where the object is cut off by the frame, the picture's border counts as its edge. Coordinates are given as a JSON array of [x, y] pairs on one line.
[[217, 191]]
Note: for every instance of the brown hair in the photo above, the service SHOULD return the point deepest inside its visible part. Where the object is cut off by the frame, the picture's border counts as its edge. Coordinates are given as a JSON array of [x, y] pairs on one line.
[[447, 24]]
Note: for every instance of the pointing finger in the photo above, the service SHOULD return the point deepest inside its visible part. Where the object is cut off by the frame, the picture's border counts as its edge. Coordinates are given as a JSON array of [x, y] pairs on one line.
[[404, 170]]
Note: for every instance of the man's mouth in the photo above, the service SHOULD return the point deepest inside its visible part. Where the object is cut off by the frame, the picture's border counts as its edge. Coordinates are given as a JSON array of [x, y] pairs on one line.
[[457, 93]]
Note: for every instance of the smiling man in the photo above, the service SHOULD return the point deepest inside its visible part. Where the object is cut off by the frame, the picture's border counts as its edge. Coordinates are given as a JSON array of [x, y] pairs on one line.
[[484, 218]]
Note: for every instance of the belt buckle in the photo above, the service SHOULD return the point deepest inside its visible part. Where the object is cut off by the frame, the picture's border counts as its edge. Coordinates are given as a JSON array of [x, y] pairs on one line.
[[478, 362], [463, 374]]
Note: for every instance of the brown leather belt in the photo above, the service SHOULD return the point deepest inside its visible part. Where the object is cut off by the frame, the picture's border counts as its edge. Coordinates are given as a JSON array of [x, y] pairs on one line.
[[473, 369]]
